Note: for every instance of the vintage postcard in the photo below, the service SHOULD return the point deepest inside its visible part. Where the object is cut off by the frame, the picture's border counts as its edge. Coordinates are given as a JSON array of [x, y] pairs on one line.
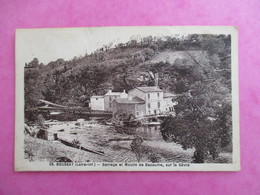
[[127, 99]]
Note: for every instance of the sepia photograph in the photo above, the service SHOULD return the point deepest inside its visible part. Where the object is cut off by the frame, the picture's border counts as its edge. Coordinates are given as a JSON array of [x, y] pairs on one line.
[[157, 98]]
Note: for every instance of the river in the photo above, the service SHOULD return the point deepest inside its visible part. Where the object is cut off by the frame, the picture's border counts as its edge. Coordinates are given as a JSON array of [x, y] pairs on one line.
[[116, 142]]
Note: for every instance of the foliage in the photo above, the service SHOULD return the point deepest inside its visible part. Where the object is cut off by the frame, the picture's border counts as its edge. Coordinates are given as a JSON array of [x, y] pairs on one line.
[[148, 53], [40, 120], [32, 88], [34, 63], [75, 143], [203, 120], [153, 157], [137, 147]]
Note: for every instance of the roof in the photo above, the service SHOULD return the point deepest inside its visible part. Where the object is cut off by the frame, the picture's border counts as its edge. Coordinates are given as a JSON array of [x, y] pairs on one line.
[[149, 89], [97, 96], [165, 95], [135, 100], [113, 93], [52, 104]]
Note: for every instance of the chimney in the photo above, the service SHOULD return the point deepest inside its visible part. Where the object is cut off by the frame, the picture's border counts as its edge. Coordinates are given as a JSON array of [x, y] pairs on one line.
[[109, 91], [124, 91], [123, 95]]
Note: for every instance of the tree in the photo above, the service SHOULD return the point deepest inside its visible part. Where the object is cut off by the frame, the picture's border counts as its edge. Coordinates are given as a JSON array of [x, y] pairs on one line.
[[213, 44], [32, 92], [30, 78], [148, 53], [139, 58], [203, 120], [137, 147], [34, 63], [40, 120], [154, 47]]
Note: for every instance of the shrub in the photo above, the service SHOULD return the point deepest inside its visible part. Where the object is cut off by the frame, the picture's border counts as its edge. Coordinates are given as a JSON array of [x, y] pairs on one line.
[[75, 143], [137, 147]]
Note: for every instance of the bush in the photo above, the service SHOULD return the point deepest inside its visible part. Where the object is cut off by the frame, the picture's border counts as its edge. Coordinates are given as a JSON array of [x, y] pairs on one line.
[[148, 53], [153, 157], [40, 120], [75, 143], [137, 147]]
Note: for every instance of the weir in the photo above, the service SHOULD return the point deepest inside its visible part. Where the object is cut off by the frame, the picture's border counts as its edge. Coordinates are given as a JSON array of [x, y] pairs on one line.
[[50, 107]]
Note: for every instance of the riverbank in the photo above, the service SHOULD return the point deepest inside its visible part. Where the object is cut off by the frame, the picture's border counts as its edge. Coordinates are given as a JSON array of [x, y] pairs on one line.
[[44, 150]]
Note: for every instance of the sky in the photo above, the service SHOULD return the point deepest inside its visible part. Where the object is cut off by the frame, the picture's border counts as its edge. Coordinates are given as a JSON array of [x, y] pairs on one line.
[[51, 44]]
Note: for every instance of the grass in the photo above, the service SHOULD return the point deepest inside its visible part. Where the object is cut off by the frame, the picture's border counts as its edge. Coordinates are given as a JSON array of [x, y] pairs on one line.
[[43, 150]]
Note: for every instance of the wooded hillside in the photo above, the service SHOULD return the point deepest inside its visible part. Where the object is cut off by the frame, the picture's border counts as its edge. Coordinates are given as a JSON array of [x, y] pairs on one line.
[[181, 63]]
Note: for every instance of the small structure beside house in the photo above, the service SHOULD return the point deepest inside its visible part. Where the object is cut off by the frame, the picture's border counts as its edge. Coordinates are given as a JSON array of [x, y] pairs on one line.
[[104, 102], [110, 96], [97, 102], [132, 106], [169, 103]]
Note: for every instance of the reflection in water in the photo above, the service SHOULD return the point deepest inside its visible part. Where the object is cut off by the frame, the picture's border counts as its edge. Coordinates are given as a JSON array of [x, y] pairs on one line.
[[149, 132], [146, 132]]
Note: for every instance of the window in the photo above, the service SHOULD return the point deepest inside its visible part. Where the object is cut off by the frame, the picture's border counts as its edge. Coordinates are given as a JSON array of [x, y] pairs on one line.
[[148, 96], [137, 113], [159, 104], [96, 98], [110, 105], [110, 98], [158, 94], [149, 112], [149, 105]]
